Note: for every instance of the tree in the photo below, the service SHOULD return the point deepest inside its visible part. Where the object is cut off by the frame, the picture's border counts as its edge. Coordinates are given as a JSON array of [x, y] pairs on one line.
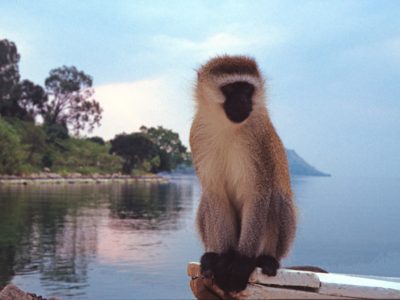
[[170, 148], [134, 148], [9, 74], [97, 139], [31, 99], [70, 101], [23, 100]]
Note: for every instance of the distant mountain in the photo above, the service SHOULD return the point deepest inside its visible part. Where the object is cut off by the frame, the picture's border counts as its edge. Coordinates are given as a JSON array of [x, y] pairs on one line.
[[299, 167]]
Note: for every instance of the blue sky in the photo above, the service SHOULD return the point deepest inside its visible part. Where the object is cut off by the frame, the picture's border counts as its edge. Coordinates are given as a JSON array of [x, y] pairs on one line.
[[332, 67]]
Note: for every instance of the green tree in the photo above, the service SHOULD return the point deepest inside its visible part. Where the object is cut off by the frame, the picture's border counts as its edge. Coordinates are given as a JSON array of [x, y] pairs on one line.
[[9, 74], [134, 148], [30, 99], [97, 140], [86, 157], [70, 100], [170, 148], [23, 100]]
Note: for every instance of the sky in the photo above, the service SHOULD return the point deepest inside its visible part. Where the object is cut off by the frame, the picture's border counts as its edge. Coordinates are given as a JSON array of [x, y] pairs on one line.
[[332, 68]]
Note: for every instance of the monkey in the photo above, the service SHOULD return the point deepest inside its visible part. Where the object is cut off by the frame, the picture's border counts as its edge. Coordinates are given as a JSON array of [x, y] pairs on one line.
[[246, 215]]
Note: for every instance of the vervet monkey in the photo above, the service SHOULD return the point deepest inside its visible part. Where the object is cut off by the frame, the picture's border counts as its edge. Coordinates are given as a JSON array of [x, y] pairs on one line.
[[246, 216]]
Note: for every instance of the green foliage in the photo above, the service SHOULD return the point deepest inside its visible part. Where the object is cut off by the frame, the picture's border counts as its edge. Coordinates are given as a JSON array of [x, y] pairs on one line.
[[29, 98], [33, 139], [67, 102], [171, 151], [23, 100], [11, 151], [56, 132], [135, 149], [9, 75], [9, 72], [97, 140], [85, 157]]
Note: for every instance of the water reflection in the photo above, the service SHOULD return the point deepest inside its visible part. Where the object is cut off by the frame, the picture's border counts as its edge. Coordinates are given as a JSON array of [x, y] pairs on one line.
[[148, 206], [123, 241], [55, 232]]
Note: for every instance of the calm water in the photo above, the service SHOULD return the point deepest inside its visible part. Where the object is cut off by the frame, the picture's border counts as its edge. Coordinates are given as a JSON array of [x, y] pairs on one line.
[[134, 241]]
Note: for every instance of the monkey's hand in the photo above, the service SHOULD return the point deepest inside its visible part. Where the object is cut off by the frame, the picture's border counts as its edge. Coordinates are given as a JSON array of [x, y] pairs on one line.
[[233, 271], [208, 264], [268, 264]]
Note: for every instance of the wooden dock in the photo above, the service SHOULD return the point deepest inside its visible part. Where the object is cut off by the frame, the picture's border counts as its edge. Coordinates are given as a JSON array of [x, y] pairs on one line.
[[293, 284]]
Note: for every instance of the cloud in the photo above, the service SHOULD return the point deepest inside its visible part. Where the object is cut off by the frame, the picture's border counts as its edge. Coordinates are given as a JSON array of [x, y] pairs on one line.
[[150, 102], [222, 42]]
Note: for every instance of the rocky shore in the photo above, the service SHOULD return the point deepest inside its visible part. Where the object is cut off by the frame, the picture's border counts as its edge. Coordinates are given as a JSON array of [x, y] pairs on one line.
[[12, 292], [76, 178]]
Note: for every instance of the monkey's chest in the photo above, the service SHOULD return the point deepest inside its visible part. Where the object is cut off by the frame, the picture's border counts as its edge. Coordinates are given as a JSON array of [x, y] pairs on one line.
[[228, 167]]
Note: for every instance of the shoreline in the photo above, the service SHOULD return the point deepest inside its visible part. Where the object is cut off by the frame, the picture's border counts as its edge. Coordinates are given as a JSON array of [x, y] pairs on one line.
[[76, 178]]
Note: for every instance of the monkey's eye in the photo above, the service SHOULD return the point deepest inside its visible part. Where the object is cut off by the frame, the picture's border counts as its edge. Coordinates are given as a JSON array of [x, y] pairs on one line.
[[238, 87], [227, 89]]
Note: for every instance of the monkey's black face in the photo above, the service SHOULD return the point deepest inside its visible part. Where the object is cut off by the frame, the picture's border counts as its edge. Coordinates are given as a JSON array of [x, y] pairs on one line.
[[238, 100]]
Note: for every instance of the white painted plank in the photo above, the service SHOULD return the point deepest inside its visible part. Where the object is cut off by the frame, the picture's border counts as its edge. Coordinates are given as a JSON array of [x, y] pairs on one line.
[[357, 287], [323, 286], [393, 279], [256, 291], [289, 278]]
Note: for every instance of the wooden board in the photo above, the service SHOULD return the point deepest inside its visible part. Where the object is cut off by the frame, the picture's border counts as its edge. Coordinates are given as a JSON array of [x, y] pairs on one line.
[[289, 278], [358, 287], [291, 284]]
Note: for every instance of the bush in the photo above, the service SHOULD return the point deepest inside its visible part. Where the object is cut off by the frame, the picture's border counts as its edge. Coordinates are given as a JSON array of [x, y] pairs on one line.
[[11, 151], [33, 139], [85, 157]]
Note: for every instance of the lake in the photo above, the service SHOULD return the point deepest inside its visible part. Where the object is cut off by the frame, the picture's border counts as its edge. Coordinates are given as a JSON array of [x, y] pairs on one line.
[[124, 241]]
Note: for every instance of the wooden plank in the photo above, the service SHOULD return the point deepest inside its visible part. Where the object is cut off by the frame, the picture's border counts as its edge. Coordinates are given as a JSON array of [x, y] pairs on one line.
[[358, 287], [289, 278], [290, 284], [193, 269], [256, 291]]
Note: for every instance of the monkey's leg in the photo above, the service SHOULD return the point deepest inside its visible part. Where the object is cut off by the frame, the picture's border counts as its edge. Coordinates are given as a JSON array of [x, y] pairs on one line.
[[217, 226], [253, 228], [280, 231]]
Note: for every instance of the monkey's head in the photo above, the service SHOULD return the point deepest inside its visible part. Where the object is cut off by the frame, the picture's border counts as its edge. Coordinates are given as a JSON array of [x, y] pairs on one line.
[[231, 85]]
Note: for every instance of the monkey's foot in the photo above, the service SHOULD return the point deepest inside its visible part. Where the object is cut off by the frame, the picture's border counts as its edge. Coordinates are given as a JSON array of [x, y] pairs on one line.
[[268, 264], [208, 264], [221, 274], [233, 271]]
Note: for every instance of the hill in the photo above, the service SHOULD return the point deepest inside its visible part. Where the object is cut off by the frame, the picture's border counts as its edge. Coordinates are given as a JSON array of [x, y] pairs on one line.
[[299, 167]]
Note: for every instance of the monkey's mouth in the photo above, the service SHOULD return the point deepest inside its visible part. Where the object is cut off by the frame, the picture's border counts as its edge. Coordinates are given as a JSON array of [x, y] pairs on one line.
[[238, 100], [237, 111]]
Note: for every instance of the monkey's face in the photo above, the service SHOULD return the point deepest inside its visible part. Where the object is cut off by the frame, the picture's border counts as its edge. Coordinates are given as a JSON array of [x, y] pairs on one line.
[[230, 88], [238, 102]]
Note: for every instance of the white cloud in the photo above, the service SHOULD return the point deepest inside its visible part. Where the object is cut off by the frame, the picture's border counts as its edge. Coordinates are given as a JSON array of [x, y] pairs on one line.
[[222, 42], [149, 102]]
